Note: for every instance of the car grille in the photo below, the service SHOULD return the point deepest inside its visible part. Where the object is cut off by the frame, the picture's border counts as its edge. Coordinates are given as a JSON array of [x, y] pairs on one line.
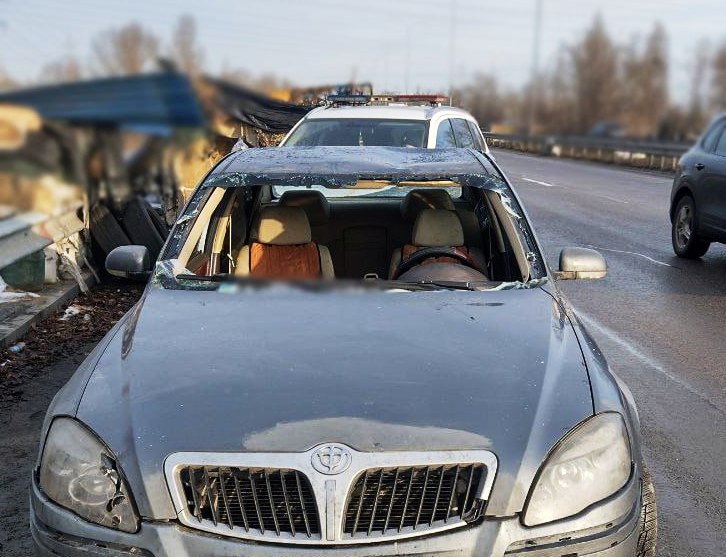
[[386, 501], [259, 500]]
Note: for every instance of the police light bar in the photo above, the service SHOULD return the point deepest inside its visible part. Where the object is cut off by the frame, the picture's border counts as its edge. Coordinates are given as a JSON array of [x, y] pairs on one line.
[[348, 99], [431, 99]]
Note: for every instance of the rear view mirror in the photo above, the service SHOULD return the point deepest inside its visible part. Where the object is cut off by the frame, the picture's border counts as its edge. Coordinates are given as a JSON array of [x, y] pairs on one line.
[[581, 263], [129, 262]]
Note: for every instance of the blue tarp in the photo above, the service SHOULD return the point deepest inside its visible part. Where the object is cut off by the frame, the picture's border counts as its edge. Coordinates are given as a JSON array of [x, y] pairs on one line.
[[151, 100]]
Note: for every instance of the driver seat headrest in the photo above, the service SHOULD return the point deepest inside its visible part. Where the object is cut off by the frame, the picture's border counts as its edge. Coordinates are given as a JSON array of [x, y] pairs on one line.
[[313, 202], [437, 228], [419, 199], [283, 226]]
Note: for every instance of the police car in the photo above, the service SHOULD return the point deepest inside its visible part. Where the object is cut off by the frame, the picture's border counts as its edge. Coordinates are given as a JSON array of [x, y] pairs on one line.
[[394, 121]]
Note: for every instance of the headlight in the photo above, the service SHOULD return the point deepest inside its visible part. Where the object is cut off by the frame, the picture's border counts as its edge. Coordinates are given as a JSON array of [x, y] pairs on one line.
[[589, 464], [78, 472]]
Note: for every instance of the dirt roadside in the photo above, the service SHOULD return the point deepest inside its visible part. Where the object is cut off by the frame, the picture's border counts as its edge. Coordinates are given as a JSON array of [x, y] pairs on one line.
[[29, 379]]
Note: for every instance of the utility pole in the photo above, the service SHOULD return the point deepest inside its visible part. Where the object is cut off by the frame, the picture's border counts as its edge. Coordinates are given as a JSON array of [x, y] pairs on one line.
[[408, 59], [452, 51], [534, 77]]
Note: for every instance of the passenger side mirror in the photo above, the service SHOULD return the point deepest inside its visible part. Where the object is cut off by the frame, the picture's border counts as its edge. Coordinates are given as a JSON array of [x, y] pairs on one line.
[[129, 262], [581, 263]]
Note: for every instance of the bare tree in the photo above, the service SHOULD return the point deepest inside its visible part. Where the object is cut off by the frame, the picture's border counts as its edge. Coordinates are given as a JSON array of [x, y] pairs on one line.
[[63, 70], [185, 53], [645, 85], [718, 79], [126, 50], [483, 99], [699, 71], [6, 82], [555, 111], [597, 84]]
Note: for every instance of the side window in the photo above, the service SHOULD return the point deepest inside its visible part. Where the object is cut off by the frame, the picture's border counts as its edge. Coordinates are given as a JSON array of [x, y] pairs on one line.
[[476, 134], [709, 140], [445, 136], [462, 133], [721, 145]]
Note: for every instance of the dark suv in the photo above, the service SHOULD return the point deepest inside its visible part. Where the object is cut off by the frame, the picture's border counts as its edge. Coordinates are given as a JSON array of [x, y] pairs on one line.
[[698, 198]]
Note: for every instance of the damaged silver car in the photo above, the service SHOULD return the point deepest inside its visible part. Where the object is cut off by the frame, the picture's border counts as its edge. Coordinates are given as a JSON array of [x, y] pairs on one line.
[[346, 352]]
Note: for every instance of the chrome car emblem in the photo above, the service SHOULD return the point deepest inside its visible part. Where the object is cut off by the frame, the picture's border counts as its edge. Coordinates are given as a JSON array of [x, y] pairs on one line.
[[331, 459]]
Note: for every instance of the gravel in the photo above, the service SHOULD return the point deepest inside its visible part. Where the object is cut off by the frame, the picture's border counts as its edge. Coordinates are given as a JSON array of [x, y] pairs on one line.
[[29, 379], [85, 320]]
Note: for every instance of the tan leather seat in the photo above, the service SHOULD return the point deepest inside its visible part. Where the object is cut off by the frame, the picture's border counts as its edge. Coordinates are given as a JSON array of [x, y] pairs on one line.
[[313, 202], [436, 228], [417, 200], [283, 248]]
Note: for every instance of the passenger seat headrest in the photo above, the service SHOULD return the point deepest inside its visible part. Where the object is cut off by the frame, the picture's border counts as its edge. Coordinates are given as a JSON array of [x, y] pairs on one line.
[[313, 202], [437, 228], [417, 200], [283, 226]]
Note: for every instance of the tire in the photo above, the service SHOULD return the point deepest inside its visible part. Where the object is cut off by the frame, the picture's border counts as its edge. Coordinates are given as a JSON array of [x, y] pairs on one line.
[[158, 221], [106, 232], [648, 522], [140, 228], [686, 241]]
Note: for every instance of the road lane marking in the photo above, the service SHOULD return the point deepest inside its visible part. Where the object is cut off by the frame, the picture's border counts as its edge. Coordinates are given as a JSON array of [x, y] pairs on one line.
[[645, 359], [610, 198], [633, 253], [546, 184]]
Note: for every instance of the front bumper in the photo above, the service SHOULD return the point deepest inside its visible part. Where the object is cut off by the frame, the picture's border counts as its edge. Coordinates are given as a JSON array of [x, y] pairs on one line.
[[58, 532]]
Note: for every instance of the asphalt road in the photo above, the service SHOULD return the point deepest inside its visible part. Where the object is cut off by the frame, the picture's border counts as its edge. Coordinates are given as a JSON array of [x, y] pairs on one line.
[[660, 320]]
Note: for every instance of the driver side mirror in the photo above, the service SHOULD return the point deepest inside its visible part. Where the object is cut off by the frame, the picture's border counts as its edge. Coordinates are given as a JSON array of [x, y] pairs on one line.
[[129, 262], [581, 263]]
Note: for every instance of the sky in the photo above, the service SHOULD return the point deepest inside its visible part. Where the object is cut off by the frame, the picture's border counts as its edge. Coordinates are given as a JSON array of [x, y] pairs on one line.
[[413, 45]]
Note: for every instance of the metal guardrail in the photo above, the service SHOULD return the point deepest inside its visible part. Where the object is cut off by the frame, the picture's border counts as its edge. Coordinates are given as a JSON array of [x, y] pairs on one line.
[[650, 155]]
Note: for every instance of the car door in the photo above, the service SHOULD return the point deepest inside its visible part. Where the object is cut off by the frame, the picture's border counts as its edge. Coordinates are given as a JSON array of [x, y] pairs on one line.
[[479, 143], [712, 185], [445, 135], [462, 133]]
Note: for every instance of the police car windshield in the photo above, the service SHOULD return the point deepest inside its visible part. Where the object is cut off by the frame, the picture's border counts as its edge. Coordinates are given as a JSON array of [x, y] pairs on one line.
[[358, 131]]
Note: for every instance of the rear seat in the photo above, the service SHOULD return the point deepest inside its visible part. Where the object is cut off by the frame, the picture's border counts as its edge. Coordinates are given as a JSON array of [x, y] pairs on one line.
[[363, 241]]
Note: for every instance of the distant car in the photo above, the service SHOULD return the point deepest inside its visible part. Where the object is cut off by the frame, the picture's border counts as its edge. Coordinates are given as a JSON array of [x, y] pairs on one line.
[[698, 197], [396, 124], [607, 130], [311, 374]]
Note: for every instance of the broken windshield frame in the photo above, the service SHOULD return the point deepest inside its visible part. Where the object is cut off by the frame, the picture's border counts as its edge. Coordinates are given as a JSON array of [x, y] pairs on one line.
[[352, 181]]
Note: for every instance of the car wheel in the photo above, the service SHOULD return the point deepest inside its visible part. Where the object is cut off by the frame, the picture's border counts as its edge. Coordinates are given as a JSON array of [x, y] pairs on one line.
[[686, 242], [648, 523]]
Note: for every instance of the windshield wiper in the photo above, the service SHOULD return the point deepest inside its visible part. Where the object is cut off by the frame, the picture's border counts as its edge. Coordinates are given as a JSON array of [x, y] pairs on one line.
[[419, 284], [219, 277], [452, 284]]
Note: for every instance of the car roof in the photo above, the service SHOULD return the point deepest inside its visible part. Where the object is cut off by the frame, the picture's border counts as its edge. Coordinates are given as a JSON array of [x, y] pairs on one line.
[[387, 112], [343, 163]]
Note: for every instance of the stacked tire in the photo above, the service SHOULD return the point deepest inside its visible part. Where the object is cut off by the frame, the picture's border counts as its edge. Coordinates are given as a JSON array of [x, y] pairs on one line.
[[135, 223]]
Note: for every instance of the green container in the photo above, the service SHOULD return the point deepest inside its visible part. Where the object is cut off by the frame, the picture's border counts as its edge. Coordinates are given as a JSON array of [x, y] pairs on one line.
[[27, 273]]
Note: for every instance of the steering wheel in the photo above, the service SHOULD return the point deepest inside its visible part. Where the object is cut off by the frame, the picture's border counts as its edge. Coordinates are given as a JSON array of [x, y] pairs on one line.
[[424, 254]]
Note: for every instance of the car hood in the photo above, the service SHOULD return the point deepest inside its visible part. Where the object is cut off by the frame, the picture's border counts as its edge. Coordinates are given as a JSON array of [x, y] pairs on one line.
[[280, 369]]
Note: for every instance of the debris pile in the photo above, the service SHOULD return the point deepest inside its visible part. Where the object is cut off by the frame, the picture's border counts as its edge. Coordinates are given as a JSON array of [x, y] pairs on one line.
[[84, 321]]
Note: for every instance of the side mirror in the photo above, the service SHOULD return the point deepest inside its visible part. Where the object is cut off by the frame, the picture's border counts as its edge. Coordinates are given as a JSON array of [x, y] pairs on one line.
[[129, 262], [581, 263]]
